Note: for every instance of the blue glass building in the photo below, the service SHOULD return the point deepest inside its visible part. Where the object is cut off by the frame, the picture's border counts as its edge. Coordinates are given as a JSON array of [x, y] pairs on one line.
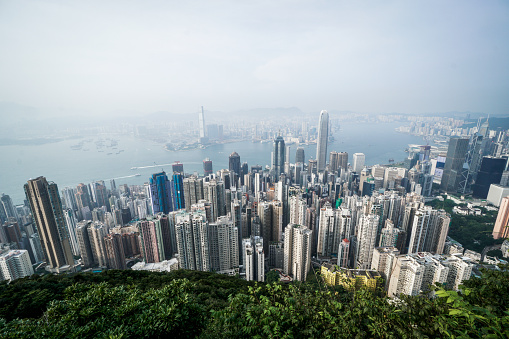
[[161, 193]]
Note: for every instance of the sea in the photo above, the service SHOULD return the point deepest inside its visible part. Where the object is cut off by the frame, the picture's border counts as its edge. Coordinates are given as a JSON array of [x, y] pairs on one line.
[[67, 166]]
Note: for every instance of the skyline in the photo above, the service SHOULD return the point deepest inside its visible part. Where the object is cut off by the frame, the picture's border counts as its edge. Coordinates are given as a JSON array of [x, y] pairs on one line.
[[93, 59]]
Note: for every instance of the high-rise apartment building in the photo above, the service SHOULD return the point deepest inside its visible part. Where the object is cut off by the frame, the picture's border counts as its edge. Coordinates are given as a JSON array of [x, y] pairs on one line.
[[278, 156], [192, 240], [297, 249], [501, 228], [358, 162], [115, 253], [254, 258], [96, 234], [298, 207], [323, 138], [49, 217], [366, 241], [223, 245], [87, 256], [15, 264]]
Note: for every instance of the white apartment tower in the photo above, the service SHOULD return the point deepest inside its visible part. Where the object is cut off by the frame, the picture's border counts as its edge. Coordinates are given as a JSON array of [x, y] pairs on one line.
[[254, 258], [15, 264], [297, 248]]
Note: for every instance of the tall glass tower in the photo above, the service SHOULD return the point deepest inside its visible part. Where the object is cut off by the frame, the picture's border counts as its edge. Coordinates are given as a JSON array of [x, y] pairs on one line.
[[49, 217], [278, 156], [160, 193], [321, 142]]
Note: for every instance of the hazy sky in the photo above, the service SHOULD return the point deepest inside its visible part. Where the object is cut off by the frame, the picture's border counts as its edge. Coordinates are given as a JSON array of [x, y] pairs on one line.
[[96, 57]]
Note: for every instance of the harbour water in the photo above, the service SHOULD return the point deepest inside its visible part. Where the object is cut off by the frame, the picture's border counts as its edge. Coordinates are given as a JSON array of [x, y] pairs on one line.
[[66, 166]]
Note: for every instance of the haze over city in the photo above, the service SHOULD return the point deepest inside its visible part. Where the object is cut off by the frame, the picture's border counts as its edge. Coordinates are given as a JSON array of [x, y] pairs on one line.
[[97, 59]]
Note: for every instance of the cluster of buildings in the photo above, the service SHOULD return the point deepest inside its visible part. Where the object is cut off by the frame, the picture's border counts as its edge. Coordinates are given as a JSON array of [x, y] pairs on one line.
[[334, 210]]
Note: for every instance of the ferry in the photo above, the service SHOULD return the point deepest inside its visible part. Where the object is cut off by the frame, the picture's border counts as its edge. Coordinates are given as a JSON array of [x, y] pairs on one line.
[[133, 168]]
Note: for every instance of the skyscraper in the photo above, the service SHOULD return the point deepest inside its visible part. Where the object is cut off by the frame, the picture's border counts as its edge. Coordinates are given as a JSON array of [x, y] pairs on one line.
[[48, 215], [278, 156], [160, 193], [321, 142], [490, 173], [201, 121], [453, 167], [115, 251], [177, 167], [501, 228], [234, 163], [207, 166], [358, 162], [343, 160], [299, 156], [254, 258], [15, 264], [179, 201], [297, 249]]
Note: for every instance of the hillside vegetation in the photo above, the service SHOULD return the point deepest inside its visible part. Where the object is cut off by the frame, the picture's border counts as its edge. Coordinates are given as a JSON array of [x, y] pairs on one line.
[[132, 304]]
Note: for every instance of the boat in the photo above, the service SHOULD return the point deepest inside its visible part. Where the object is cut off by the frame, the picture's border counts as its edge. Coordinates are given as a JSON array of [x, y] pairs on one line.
[[137, 174], [133, 168]]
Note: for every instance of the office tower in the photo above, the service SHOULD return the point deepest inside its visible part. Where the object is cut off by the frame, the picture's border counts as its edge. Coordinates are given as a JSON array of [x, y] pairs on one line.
[[201, 122], [160, 193], [321, 142], [299, 156], [312, 166], [358, 162], [96, 234], [297, 249], [382, 261], [151, 236], [343, 160], [193, 191], [177, 167], [490, 173], [87, 257], [278, 156], [453, 167], [15, 264], [405, 277], [113, 185], [344, 253], [333, 161], [115, 251], [178, 191], [298, 208], [8, 207], [254, 259], [223, 246], [265, 214], [207, 167], [48, 215], [234, 163], [192, 240], [501, 228]]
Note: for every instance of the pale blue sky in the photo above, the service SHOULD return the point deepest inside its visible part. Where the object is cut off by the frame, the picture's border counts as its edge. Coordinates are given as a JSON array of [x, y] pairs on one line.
[[95, 57]]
